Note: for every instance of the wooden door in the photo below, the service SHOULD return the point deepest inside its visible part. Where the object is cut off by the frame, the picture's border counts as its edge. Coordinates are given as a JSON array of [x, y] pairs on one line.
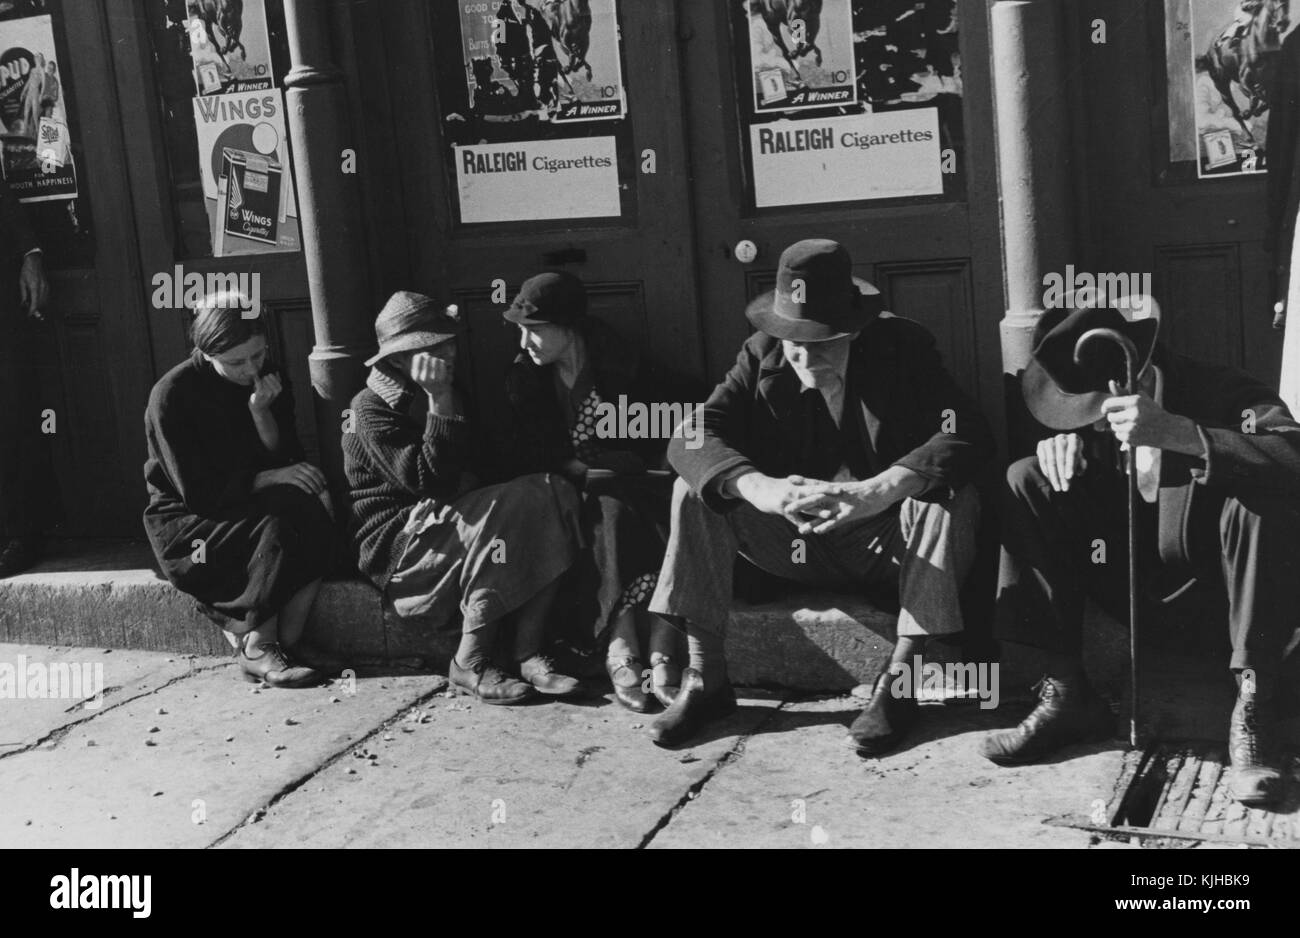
[[936, 257], [1146, 210], [636, 257], [95, 361]]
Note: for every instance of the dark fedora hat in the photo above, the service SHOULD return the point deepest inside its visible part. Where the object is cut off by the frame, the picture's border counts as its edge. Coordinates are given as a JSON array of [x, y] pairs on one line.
[[411, 321], [556, 298], [816, 298], [1063, 395]]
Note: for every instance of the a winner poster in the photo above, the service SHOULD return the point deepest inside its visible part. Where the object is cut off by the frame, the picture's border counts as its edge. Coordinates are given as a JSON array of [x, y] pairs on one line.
[[247, 174], [1234, 47], [37, 149], [555, 61], [230, 46], [802, 54]]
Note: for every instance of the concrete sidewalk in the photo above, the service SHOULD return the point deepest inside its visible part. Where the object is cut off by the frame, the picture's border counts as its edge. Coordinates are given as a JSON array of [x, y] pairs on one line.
[[183, 754]]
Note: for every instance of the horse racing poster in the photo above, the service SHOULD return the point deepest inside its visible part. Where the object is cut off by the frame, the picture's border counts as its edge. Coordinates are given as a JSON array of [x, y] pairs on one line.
[[36, 147], [247, 174], [1234, 47], [553, 60], [230, 46], [801, 54]]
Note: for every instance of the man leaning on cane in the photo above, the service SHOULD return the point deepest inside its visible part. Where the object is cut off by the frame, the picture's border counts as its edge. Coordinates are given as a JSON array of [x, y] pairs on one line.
[[1218, 464]]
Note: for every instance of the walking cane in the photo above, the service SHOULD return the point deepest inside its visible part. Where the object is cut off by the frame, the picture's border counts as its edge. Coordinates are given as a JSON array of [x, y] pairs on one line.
[[1131, 362]]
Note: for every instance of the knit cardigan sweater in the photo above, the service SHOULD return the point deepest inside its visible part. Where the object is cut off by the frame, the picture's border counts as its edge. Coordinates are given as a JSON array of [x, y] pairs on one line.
[[393, 462]]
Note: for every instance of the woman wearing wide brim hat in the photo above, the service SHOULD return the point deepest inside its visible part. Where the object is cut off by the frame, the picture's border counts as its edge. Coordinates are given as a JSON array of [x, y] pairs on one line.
[[429, 536], [571, 370]]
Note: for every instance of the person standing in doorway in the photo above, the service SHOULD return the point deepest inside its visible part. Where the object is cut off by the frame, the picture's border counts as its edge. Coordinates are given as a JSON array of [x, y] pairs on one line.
[[25, 505]]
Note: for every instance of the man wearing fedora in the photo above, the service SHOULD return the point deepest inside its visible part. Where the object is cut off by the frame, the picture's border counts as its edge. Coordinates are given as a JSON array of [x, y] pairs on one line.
[[838, 453], [1218, 463]]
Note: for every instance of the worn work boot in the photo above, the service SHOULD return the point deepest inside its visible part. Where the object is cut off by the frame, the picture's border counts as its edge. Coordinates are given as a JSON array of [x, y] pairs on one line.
[[1068, 712], [886, 720], [1253, 780]]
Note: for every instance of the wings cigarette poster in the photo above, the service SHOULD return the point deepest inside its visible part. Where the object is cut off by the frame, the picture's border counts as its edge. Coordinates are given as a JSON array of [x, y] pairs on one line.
[[553, 60], [246, 171], [36, 145], [230, 46], [845, 159], [801, 53], [538, 180]]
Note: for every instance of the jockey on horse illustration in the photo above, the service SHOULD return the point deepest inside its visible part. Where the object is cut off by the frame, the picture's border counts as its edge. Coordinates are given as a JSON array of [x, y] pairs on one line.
[[1243, 53], [525, 48]]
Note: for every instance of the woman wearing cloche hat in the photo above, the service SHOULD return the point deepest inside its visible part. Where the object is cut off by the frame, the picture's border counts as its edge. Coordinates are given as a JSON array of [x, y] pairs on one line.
[[571, 375], [430, 536]]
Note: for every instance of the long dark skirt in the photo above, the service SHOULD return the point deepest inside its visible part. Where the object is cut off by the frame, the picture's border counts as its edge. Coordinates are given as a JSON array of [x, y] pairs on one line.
[[487, 553], [251, 566], [625, 522]]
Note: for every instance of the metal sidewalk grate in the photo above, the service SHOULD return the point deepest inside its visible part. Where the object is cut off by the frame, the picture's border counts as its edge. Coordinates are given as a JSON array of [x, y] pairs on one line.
[[1178, 791]]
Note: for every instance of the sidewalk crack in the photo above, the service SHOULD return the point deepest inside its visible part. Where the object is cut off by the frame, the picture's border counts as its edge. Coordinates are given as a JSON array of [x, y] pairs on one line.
[[56, 736], [732, 756], [255, 817]]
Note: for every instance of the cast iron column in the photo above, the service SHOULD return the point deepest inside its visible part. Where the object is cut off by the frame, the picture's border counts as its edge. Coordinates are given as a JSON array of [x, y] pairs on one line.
[[1033, 134], [333, 229]]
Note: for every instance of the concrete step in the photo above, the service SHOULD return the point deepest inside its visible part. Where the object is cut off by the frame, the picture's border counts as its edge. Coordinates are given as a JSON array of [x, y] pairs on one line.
[[109, 594]]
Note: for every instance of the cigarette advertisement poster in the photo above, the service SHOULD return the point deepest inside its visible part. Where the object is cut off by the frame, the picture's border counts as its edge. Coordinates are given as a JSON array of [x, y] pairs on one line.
[[1233, 49], [37, 150], [230, 46], [247, 175], [554, 61], [801, 54], [845, 159], [538, 180]]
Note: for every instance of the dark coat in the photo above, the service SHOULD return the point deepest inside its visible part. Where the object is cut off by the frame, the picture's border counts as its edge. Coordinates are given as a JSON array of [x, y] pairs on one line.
[[1266, 461], [260, 548], [534, 437], [753, 420]]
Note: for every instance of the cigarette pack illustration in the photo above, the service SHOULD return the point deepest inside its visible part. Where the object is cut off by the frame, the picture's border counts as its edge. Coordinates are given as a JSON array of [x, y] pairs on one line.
[[252, 203]]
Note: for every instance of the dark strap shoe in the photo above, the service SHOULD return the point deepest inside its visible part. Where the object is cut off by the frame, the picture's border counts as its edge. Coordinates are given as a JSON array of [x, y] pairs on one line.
[[488, 683], [886, 720], [693, 706], [1254, 779], [625, 676], [539, 670], [19, 555], [274, 668], [1068, 712]]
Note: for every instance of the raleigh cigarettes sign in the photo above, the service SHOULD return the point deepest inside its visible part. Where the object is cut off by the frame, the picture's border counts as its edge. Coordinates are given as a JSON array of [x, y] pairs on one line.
[[536, 180], [847, 159]]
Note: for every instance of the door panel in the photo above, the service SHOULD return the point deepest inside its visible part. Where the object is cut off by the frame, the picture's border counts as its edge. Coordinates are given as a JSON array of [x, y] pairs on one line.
[[937, 259], [95, 364], [638, 269], [1202, 240]]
